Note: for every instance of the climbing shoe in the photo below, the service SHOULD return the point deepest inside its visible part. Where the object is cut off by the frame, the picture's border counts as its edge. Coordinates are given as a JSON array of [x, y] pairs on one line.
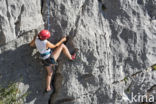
[[49, 92], [74, 54]]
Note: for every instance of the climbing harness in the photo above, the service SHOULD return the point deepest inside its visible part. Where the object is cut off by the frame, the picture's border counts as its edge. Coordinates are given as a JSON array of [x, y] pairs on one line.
[[44, 54]]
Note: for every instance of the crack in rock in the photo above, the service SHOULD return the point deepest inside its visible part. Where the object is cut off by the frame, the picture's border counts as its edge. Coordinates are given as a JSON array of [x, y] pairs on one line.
[[60, 101], [151, 68]]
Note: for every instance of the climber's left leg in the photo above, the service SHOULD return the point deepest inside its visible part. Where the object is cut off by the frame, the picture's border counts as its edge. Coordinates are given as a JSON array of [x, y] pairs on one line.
[[48, 77]]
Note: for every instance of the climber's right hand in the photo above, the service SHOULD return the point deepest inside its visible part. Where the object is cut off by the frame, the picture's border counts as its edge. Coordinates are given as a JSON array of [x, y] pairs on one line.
[[64, 39]]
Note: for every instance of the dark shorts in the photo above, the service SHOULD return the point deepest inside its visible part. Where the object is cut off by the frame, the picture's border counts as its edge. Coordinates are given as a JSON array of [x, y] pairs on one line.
[[49, 61]]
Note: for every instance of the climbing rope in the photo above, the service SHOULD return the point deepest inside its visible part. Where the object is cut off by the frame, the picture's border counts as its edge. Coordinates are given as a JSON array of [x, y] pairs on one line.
[[48, 17]]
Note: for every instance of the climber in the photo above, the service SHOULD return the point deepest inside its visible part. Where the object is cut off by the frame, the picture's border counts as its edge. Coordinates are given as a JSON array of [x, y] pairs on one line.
[[48, 56]]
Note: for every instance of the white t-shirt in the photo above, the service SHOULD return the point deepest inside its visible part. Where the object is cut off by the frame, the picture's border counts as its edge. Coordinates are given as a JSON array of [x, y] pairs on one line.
[[41, 47]]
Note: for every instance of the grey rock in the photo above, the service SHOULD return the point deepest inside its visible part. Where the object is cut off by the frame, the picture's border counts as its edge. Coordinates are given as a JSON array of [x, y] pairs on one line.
[[116, 42], [17, 17]]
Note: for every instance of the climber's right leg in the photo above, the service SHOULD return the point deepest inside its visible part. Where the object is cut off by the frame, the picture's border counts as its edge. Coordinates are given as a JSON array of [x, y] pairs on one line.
[[58, 51], [48, 77]]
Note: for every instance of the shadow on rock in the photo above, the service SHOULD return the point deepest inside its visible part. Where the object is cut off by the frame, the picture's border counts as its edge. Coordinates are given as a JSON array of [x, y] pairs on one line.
[[21, 65]]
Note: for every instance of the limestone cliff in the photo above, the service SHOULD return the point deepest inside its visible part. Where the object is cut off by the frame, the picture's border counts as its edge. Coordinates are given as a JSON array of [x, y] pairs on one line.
[[116, 41]]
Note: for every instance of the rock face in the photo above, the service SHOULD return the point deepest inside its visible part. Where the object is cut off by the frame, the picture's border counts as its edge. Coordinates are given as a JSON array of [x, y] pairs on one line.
[[116, 42], [17, 17]]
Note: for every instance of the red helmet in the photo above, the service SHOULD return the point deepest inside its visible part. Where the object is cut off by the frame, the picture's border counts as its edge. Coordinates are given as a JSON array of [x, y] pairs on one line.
[[44, 34]]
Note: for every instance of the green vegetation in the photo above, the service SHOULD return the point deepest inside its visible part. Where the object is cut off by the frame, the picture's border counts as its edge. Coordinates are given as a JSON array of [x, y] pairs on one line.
[[11, 95], [128, 90], [104, 7], [153, 67], [125, 80]]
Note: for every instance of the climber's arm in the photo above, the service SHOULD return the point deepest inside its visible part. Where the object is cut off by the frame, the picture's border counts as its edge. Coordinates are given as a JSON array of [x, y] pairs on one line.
[[50, 45], [32, 43]]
